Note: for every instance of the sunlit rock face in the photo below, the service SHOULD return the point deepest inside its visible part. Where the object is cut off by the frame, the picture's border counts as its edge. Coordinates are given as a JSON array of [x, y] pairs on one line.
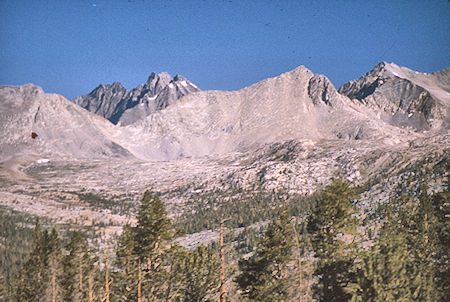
[[48, 124]]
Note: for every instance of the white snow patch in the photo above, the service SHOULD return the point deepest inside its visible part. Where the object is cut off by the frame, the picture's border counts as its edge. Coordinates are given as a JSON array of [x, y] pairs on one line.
[[42, 160], [393, 113], [183, 83], [193, 85], [153, 97], [170, 85], [411, 114], [396, 74]]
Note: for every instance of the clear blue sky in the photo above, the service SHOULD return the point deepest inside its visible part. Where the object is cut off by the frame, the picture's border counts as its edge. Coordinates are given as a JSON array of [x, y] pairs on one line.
[[69, 46]]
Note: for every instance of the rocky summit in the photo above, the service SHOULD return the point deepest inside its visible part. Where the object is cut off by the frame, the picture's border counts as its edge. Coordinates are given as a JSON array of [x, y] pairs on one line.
[[114, 103], [403, 97], [290, 134]]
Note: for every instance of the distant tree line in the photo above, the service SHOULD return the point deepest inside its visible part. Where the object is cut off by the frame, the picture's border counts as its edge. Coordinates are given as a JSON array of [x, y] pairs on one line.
[[324, 256]]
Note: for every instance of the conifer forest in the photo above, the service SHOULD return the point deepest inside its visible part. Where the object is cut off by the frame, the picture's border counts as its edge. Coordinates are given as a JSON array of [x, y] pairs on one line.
[[320, 248]]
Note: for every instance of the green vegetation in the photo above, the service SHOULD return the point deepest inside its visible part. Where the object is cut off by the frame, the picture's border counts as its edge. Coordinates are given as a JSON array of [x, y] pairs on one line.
[[244, 209], [409, 262], [16, 240], [41, 276], [81, 274], [265, 276], [117, 204], [332, 227]]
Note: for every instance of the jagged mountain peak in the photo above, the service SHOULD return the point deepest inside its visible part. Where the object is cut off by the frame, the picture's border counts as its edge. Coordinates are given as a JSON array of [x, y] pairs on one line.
[[296, 105], [299, 69], [402, 97], [114, 87], [114, 103], [155, 98], [298, 72], [179, 77], [116, 84], [385, 70], [157, 80], [103, 99], [155, 75]]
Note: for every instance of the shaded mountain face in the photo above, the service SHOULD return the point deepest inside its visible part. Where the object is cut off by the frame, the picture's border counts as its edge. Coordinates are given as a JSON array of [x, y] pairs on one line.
[[114, 103], [403, 97], [103, 100]]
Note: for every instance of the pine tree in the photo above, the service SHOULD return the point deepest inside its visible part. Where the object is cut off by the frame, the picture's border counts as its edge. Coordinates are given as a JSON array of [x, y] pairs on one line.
[[266, 276], [422, 223], [201, 274], [142, 251], [303, 280], [53, 266], [29, 283], [153, 233], [417, 221], [154, 229], [40, 278], [126, 261], [78, 266], [405, 264], [332, 227], [172, 279], [384, 269]]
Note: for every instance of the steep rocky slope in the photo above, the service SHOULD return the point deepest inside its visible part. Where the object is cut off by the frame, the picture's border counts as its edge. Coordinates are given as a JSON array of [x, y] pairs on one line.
[[114, 103], [48, 125], [104, 100], [403, 97]]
